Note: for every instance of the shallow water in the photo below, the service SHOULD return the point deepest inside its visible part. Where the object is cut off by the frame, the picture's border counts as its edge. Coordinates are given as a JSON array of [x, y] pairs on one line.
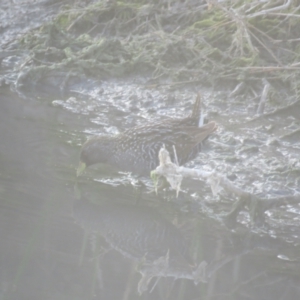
[[46, 250], [105, 236]]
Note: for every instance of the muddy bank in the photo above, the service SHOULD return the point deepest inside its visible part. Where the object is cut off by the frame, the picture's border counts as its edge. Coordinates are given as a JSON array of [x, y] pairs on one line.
[[177, 43], [74, 69]]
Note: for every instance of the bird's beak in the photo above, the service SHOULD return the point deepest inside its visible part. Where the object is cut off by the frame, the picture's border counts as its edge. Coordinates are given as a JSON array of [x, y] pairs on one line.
[[81, 168]]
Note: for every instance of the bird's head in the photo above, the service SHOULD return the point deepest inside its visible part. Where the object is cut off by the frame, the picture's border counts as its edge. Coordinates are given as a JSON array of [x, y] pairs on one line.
[[94, 151]]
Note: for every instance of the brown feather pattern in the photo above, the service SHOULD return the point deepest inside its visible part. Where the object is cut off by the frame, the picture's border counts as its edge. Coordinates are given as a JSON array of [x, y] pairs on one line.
[[136, 149]]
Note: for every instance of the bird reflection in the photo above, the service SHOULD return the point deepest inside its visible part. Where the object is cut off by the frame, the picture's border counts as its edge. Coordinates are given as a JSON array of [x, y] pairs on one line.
[[143, 235]]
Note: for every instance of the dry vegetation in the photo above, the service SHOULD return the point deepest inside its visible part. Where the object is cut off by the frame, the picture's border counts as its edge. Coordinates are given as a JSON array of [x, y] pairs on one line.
[[173, 42]]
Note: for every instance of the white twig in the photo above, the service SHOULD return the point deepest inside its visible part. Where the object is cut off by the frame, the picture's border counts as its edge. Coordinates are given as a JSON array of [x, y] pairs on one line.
[[175, 155], [267, 11], [175, 174], [263, 99]]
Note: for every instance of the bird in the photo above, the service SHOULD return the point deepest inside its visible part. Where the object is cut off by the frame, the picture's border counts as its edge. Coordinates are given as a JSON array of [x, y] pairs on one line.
[[141, 234], [136, 232], [136, 149]]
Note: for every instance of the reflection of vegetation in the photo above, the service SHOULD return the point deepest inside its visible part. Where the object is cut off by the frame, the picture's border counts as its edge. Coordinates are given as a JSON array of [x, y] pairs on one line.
[[143, 235], [257, 206], [154, 246], [176, 40]]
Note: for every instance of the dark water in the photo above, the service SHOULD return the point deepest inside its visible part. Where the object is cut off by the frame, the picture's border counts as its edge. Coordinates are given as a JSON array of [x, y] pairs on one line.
[[104, 236], [92, 240]]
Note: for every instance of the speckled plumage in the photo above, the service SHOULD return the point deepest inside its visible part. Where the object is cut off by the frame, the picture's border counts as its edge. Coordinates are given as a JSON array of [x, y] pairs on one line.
[[138, 232], [136, 149]]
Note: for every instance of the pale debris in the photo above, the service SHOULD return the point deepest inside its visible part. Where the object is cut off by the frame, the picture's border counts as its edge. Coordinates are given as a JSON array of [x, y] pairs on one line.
[[174, 174], [161, 268]]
